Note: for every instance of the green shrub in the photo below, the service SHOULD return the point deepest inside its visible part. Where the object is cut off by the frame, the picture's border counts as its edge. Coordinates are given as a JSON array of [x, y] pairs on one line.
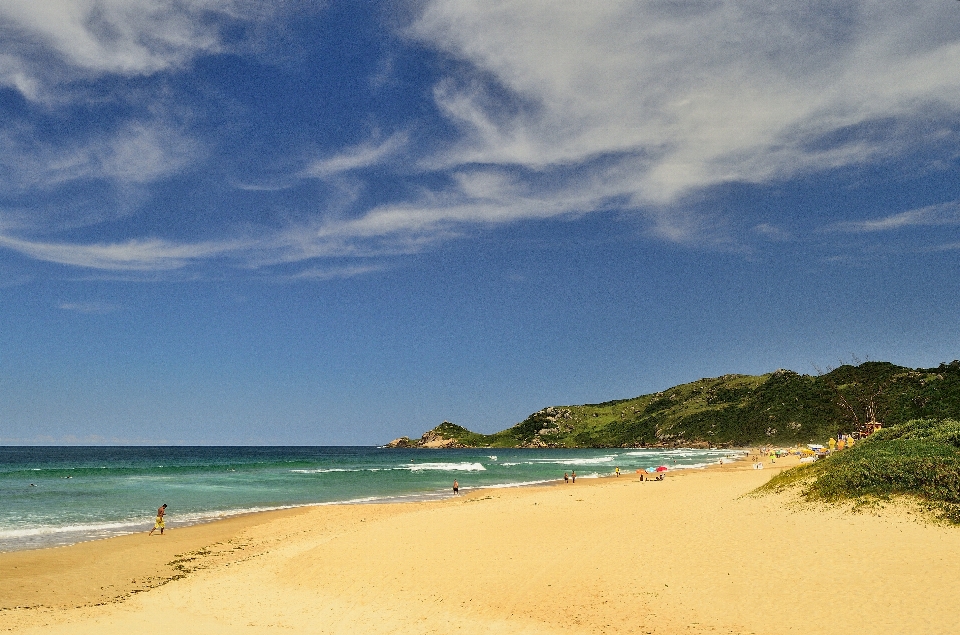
[[919, 458]]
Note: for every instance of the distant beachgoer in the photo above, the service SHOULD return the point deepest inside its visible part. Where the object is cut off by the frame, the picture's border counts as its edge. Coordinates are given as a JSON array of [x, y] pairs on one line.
[[566, 477], [456, 488], [617, 472], [573, 476], [159, 524]]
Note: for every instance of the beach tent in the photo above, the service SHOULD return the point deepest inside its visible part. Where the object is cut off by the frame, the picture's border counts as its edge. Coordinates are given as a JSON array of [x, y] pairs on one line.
[[662, 468], [651, 469]]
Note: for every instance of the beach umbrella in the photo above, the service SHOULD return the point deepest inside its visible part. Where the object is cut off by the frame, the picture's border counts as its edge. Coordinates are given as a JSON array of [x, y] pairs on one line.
[[662, 468], [651, 469]]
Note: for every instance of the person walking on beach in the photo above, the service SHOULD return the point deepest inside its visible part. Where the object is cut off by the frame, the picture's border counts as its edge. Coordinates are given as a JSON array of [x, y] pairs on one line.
[[158, 524], [456, 488], [573, 476], [566, 477], [618, 472]]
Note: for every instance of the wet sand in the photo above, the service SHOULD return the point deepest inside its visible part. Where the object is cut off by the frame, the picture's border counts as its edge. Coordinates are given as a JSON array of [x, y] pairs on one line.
[[691, 554]]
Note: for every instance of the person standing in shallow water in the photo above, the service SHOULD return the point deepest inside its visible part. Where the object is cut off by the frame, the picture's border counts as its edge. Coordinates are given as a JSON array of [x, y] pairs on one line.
[[159, 524], [456, 488]]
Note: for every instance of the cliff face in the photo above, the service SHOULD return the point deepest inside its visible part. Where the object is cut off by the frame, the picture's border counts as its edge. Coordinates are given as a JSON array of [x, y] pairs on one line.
[[782, 408]]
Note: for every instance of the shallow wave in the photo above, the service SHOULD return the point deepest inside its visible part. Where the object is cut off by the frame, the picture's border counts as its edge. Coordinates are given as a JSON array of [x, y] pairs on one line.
[[410, 467], [324, 470], [15, 539], [26, 532], [685, 453], [129, 525], [445, 467], [596, 460]]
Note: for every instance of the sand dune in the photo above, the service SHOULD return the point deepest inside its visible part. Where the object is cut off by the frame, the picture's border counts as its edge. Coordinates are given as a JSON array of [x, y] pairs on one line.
[[691, 554]]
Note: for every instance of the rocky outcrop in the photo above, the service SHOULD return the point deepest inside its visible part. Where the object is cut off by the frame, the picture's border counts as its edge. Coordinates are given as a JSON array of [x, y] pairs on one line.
[[433, 439], [402, 442]]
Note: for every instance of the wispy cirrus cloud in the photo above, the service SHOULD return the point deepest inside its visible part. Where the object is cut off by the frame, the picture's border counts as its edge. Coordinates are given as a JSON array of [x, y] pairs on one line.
[[47, 42], [683, 96], [556, 110], [333, 273], [772, 232], [132, 255], [89, 308], [931, 215], [361, 156], [133, 153]]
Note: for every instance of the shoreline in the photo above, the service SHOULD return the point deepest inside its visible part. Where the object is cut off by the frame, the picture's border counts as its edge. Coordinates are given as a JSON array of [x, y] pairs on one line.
[[695, 553], [155, 569], [214, 516]]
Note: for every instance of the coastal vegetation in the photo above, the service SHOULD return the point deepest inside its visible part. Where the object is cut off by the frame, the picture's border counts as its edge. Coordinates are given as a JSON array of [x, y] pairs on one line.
[[918, 458], [779, 408]]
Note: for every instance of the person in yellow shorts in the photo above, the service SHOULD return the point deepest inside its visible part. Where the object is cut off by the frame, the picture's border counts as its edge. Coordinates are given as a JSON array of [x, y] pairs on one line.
[[159, 522]]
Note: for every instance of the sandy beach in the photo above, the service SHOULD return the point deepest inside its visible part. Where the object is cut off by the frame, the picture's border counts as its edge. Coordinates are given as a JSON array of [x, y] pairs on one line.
[[691, 554]]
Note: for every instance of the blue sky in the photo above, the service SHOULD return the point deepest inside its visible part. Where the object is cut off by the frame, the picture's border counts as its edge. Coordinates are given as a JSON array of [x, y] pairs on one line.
[[338, 223]]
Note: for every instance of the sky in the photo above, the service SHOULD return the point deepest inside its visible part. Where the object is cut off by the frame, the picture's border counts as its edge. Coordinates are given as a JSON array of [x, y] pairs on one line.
[[336, 223]]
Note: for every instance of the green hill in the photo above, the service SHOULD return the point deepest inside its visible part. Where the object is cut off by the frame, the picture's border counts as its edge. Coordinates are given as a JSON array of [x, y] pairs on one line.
[[781, 408]]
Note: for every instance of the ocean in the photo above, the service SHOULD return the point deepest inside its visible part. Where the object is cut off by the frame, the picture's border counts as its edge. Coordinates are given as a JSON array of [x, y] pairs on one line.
[[52, 496]]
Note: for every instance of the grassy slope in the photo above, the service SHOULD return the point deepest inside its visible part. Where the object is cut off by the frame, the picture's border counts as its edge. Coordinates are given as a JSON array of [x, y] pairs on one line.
[[778, 408], [919, 458]]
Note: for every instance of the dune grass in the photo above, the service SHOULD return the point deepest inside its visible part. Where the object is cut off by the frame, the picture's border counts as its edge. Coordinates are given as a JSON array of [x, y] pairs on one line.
[[919, 458]]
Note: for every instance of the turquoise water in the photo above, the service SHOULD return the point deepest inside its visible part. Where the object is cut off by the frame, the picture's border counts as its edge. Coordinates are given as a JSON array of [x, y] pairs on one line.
[[62, 495]]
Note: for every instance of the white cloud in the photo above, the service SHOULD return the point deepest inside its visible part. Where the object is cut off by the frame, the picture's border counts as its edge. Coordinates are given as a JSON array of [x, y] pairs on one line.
[[14, 74], [932, 215], [137, 152], [479, 197], [357, 157], [562, 108], [334, 273], [49, 41], [89, 308], [685, 95], [772, 232], [573, 107], [132, 255]]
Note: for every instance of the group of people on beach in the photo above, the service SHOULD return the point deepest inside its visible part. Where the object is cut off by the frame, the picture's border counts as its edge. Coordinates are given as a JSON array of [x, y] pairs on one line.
[[567, 478]]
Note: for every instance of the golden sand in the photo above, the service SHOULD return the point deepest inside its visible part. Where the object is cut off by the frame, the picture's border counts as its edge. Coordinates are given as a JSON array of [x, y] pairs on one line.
[[691, 554]]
